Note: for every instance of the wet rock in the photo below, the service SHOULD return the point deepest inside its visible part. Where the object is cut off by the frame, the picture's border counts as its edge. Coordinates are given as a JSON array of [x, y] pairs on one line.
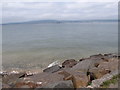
[[52, 69], [69, 63]]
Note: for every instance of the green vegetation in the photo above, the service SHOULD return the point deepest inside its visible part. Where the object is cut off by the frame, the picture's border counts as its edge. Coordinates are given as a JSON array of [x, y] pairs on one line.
[[114, 80]]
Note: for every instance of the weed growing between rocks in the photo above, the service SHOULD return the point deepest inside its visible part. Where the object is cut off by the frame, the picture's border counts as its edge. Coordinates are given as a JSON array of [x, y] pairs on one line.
[[114, 80]]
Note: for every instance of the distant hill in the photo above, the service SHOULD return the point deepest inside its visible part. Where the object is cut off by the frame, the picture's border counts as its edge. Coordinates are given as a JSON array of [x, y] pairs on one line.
[[60, 21]]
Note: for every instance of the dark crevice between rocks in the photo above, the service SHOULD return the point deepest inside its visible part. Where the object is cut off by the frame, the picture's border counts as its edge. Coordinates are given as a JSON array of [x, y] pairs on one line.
[[91, 77]]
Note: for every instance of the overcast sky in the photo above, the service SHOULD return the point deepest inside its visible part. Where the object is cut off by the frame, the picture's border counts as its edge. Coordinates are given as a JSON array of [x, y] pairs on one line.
[[27, 11]]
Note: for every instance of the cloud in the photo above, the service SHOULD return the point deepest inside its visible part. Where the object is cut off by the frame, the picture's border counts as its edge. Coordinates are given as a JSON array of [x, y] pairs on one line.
[[27, 11]]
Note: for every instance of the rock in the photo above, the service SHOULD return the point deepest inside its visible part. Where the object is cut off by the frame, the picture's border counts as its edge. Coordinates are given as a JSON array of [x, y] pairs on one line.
[[79, 73], [95, 69], [96, 64], [113, 85], [97, 56], [112, 64], [98, 72], [69, 63], [11, 79], [104, 67], [2, 73], [96, 83], [52, 69], [39, 80], [5, 85], [79, 79], [83, 65], [53, 64], [58, 85], [27, 84], [82, 59], [111, 55]]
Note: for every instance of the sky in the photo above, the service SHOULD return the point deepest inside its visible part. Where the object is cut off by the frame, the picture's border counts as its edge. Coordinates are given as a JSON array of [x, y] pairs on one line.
[[28, 11]]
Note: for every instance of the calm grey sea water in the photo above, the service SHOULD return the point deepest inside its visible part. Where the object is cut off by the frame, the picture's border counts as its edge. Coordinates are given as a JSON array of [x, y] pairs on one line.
[[37, 45]]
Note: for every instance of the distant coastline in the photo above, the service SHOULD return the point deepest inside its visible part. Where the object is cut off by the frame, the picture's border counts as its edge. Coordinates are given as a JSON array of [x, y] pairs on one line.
[[61, 21]]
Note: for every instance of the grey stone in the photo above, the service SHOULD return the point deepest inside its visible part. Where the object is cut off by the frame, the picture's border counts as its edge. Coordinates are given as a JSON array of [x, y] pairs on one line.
[[57, 85], [52, 69]]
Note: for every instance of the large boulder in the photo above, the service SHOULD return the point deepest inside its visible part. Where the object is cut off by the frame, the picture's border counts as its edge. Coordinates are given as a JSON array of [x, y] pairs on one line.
[[83, 65], [79, 73], [52, 69], [112, 64], [69, 63], [79, 79]]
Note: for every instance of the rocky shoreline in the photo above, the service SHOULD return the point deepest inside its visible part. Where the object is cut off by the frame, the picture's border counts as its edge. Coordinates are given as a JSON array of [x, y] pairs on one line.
[[89, 72]]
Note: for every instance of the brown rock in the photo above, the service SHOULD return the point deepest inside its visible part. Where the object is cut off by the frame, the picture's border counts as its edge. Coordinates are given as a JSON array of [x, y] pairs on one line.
[[69, 63], [79, 78], [111, 55], [39, 80], [96, 64], [97, 56], [11, 79], [104, 67], [112, 64], [98, 73], [28, 84], [80, 81]]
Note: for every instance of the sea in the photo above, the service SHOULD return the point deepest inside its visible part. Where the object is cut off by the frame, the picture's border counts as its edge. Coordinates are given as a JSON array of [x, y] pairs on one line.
[[35, 46]]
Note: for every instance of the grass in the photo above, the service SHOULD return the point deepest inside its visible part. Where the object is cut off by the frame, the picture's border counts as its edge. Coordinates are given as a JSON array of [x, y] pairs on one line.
[[114, 80]]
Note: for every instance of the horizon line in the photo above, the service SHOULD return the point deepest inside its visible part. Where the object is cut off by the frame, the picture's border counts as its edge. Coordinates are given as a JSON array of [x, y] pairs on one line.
[[33, 21]]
